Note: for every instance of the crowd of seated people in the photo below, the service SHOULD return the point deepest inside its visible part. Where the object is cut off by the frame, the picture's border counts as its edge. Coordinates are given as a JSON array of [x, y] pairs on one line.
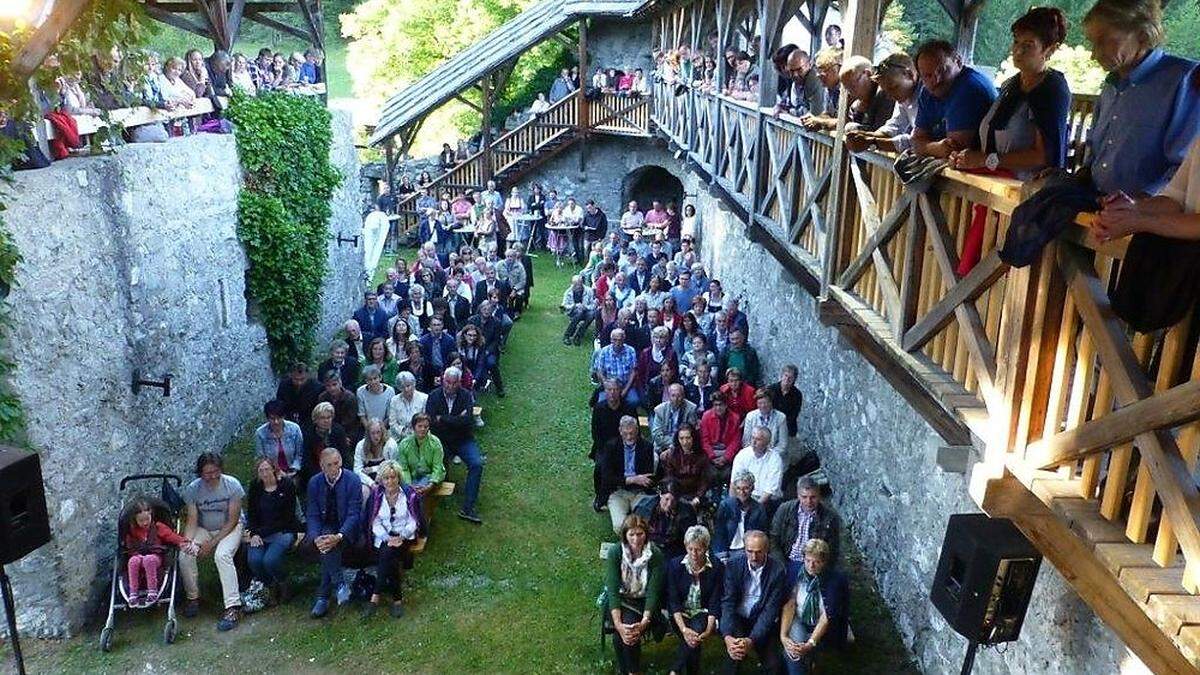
[[713, 545], [360, 444], [116, 80]]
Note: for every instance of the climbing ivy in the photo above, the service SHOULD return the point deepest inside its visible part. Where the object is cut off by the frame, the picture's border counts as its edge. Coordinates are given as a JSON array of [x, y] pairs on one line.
[[283, 214]]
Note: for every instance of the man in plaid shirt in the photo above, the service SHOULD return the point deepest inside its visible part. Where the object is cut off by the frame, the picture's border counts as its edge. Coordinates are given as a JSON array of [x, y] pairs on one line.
[[619, 362]]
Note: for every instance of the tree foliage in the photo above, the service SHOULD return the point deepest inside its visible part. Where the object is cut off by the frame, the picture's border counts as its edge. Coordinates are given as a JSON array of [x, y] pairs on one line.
[[283, 214], [395, 42]]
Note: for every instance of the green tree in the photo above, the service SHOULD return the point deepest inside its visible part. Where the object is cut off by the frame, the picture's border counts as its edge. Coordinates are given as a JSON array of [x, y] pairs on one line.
[[395, 42]]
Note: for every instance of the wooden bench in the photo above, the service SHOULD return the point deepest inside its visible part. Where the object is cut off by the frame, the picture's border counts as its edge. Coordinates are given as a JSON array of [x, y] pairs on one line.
[[443, 489]]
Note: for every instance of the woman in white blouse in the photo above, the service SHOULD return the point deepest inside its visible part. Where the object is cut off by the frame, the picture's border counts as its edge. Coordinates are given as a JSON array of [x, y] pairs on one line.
[[395, 523], [404, 405], [373, 450]]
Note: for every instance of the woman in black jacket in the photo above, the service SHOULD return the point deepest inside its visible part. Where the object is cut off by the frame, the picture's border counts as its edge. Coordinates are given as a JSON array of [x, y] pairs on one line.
[[694, 598], [271, 524]]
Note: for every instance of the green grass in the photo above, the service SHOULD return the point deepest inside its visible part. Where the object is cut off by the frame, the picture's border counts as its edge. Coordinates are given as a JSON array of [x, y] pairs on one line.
[[515, 595]]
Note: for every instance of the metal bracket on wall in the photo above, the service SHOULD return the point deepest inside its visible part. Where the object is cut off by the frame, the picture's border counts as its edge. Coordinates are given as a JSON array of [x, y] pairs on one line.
[[164, 384], [346, 240]]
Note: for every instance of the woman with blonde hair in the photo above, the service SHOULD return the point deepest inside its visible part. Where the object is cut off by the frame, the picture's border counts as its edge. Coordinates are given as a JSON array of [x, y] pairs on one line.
[[393, 522]]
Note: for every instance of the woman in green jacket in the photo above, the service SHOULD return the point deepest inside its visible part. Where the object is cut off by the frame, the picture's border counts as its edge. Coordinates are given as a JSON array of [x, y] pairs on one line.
[[634, 583]]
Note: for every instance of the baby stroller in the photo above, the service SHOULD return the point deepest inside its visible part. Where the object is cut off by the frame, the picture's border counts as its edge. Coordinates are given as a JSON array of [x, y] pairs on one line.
[[168, 506]]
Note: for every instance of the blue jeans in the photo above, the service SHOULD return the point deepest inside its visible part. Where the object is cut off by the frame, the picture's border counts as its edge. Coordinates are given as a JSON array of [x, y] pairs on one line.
[[800, 633], [632, 397], [331, 564], [468, 450], [266, 561]]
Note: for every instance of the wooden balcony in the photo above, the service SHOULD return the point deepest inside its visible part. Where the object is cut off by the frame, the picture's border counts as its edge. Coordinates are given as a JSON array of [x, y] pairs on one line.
[[1090, 429]]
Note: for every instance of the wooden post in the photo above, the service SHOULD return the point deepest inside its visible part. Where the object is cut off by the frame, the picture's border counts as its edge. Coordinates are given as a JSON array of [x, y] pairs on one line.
[[583, 122], [724, 26], [46, 36], [485, 127], [968, 22], [768, 18], [864, 16], [389, 150]]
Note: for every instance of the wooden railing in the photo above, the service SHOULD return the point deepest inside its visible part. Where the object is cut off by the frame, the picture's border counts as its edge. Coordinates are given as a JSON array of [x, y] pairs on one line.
[[505, 156], [1032, 361]]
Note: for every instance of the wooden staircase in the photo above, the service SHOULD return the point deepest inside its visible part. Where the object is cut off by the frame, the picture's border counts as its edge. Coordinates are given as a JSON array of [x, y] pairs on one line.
[[516, 153]]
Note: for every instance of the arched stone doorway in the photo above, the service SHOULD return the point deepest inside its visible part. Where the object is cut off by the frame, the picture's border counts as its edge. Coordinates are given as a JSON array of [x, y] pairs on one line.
[[648, 183]]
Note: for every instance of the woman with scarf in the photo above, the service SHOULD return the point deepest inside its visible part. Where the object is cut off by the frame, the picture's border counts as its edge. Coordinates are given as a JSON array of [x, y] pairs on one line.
[[816, 615], [633, 584], [694, 598]]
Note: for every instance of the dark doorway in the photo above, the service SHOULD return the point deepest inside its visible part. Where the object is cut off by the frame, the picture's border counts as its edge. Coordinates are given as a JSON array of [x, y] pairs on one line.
[[646, 184]]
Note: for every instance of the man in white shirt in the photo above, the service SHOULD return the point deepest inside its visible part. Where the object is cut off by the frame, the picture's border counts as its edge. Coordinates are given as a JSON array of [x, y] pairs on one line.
[[766, 417], [766, 466], [896, 76], [632, 219]]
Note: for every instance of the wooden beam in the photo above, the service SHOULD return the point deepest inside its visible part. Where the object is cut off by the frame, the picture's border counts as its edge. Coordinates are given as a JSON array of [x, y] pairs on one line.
[[888, 228], [45, 37], [1178, 405], [313, 24], [470, 104], [970, 287], [1078, 564], [181, 7], [582, 113], [1159, 451], [235, 19], [270, 22], [177, 21]]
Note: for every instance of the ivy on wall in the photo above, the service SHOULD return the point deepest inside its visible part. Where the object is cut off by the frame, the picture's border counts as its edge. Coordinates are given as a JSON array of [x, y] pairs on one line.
[[283, 144]]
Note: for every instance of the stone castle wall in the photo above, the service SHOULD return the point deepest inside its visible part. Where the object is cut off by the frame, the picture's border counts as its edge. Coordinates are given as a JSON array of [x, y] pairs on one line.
[[132, 264]]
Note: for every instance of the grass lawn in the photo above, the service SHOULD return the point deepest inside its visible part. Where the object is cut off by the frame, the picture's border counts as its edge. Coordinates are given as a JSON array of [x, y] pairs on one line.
[[515, 595]]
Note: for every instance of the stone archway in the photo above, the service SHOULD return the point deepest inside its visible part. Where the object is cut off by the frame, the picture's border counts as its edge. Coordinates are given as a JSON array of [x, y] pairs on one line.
[[649, 183]]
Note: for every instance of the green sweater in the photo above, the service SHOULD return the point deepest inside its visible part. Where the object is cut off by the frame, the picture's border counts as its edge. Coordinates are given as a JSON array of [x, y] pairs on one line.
[[654, 579], [421, 459], [389, 370]]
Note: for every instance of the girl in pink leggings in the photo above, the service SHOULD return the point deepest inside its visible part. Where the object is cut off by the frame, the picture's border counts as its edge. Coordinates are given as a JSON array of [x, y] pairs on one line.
[[146, 540]]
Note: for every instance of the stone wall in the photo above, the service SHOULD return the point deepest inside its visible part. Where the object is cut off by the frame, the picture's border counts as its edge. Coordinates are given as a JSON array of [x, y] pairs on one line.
[[132, 264], [608, 160], [880, 456], [620, 44]]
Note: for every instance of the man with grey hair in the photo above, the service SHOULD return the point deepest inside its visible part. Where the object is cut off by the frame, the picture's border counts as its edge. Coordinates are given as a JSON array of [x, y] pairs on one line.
[[765, 464], [513, 272], [451, 412], [736, 515], [579, 304], [608, 409], [669, 416], [801, 519], [619, 362], [355, 343], [339, 360], [627, 471]]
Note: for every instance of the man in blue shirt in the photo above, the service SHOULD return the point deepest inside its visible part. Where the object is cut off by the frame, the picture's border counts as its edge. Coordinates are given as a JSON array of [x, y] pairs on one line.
[[333, 508], [953, 102], [1149, 107], [310, 70]]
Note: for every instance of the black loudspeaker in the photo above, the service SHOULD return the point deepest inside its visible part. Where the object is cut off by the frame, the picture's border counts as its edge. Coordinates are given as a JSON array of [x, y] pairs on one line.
[[24, 522], [985, 578]]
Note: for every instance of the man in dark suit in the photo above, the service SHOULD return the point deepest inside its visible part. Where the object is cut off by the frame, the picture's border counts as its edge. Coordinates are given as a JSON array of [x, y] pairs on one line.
[[492, 330], [457, 306], [436, 345], [298, 393], [451, 412], [371, 318], [339, 361], [626, 471], [608, 407], [753, 596], [640, 279], [333, 500], [483, 288]]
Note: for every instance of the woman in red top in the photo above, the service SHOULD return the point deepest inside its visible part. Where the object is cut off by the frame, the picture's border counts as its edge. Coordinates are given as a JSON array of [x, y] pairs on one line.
[[146, 540], [739, 394]]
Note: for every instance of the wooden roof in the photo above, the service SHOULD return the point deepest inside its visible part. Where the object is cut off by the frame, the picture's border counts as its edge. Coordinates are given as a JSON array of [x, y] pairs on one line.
[[540, 21]]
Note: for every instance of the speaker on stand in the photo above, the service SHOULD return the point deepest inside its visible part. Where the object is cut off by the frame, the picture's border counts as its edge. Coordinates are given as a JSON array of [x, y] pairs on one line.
[[24, 525], [984, 580]]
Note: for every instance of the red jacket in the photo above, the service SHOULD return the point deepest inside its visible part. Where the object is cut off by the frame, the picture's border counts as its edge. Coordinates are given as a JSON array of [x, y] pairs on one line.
[[137, 536], [711, 433]]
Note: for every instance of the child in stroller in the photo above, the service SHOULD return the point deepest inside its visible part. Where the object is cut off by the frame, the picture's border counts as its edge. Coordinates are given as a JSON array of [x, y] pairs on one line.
[[145, 540]]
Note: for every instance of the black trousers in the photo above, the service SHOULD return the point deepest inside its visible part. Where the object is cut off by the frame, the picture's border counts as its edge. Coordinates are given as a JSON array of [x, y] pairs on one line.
[[629, 657], [687, 659], [579, 317], [767, 649], [388, 565]]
